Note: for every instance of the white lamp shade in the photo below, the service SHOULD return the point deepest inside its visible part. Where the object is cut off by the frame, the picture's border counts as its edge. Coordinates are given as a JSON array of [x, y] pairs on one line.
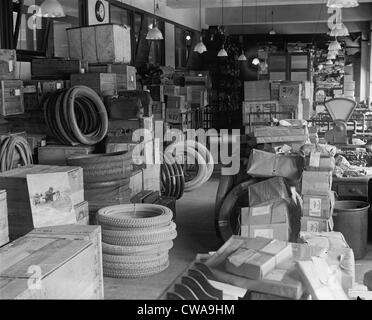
[[242, 57], [200, 47], [222, 53], [334, 45], [342, 3], [339, 30], [51, 9], [272, 32], [333, 52], [329, 62], [154, 34]]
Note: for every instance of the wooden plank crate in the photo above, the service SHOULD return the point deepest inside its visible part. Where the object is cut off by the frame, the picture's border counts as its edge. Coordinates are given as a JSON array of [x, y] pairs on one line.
[[63, 262]]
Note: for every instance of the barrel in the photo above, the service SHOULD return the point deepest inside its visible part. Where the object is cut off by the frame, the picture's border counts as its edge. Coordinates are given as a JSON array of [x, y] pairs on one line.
[[351, 219]]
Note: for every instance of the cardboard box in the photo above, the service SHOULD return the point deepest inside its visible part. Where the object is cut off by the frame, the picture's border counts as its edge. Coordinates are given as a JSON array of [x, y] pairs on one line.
[[318, 206], [256, 263], [174, 116], [268, 191], [11, 97], [290, 93], [266, 164], [310, 224], [257, 90], [272, 213], [316, 162], [316, 183], [68, 258], [274, 90], [279, 231], [297, 110], [57, 155], [251, 110]]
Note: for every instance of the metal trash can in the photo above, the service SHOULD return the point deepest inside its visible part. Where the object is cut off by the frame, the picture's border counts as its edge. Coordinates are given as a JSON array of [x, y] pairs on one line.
[[351, 219]]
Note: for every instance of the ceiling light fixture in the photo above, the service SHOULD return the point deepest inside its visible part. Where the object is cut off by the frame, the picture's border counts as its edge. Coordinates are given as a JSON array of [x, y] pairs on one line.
[[329, 62], [331, 56], [272, 31], [155, 33], [334, 45], [242, 57], [342, 4], [223, 52], [51, 9], [256, 61], [339, 29], [200, 46]]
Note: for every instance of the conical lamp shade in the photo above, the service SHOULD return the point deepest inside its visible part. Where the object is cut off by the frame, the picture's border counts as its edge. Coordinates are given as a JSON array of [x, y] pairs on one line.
[[242, 57], [331, 56], [154, 34], [334, 45], [222, 53], [342, 4], [51, 9], [339, 30], [200, 47], [329, 62]]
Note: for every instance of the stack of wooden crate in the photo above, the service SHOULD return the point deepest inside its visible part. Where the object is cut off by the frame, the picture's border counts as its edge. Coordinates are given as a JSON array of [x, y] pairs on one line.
[[11, 88]]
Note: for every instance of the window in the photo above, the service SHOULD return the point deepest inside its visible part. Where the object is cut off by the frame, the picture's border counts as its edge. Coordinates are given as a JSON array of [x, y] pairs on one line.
[[120, 16], [184, 40], [41, 35]]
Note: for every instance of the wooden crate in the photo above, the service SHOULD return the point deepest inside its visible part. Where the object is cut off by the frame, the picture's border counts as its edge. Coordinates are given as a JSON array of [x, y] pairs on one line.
[[36, 90], [53, 263], [259, 111], [4, 230], [257, 90], [11, 97], [8, 60], [126, 75], [56, 68], [57, 155], [19, 206], [102, 83], [106, 43]]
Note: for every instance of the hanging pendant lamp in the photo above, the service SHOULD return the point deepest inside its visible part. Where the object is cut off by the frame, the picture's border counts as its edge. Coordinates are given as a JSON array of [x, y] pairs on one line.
[[334, 45], [51, 9], [342, 4], [329, 62], [340, 30], [222, 52], [155, 33], [242, 57], [331, 56], [272, 32], [200, 46]]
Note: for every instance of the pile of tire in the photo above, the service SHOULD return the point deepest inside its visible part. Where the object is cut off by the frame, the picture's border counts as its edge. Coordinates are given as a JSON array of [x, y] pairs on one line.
[[76, 116], [106, 178], [191, 152], [136, 239], [172, 179]]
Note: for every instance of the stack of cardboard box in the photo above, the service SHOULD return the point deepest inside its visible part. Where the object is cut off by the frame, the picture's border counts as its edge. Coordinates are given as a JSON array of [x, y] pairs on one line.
[[318, 197], [268, 214]]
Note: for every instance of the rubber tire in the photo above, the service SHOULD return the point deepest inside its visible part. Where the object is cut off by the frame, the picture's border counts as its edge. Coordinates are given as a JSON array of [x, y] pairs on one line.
[[136, 250], [141, 240], [134, 259], [134, 274]]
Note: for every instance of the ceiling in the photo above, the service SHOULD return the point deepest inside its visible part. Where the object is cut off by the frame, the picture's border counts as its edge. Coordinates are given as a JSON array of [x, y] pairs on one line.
[[286, 16]]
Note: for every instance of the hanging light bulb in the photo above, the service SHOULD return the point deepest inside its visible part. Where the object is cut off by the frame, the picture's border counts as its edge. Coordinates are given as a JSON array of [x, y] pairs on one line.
[[272, 32], [222, 52], [200, 46], [342, 4], [242, 57], [256, 61], [154, 32], [334, 45], [51, 9]]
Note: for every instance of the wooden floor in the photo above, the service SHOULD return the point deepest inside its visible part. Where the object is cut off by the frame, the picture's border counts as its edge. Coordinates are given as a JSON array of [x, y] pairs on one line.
[[195, 224]]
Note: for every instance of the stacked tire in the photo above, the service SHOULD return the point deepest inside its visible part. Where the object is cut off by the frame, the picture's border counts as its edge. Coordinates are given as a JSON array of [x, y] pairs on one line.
[[106, 178], [136, 239]]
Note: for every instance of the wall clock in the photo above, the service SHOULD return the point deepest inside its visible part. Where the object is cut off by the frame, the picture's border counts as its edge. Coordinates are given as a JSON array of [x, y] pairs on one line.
[[100, 11]]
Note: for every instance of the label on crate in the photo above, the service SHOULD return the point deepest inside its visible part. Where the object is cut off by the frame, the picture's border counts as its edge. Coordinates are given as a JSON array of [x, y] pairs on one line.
[[264, 233], [312, 226], [261, 211], [11, 65], [315, 207], [315, 159]]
